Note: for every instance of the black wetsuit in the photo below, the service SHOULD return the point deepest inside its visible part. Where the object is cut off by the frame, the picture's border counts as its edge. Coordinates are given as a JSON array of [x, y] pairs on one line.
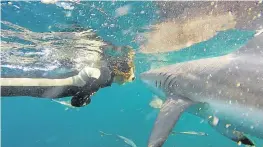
[[80, 95]]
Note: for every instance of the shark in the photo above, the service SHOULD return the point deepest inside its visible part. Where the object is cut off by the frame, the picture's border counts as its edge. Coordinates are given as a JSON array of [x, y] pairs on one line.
[[226, 91]]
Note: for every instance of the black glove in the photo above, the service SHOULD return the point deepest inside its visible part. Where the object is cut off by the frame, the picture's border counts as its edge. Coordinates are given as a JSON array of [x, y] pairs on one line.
[[82, 97]]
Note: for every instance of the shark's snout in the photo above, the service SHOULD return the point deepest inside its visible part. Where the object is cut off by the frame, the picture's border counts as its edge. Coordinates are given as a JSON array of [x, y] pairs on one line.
[[145, 78], [152, 81]]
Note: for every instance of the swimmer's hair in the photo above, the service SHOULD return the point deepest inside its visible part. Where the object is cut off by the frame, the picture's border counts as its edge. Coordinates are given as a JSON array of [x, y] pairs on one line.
[[123, 67]]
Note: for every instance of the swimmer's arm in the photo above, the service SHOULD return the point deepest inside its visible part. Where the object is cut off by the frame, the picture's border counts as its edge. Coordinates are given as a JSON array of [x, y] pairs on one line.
[[36, 82], [78, 80], [86, 83]]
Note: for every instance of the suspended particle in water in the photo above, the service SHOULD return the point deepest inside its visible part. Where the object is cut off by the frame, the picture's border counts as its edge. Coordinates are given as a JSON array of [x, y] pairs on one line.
[[215, 121], [239, 143], [238, 84], [121, 11], [81, 13], [16, 6], [202, 121], [228, 125], [68, 14], [64, 5], [212, 3]]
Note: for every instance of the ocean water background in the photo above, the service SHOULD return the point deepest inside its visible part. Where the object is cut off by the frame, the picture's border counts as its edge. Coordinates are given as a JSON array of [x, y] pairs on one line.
[[122, 110]]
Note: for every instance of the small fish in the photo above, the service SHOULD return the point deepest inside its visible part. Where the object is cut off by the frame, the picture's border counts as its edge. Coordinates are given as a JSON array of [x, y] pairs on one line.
[[104, 134], [128, 141], [191, 133], [65, 103]]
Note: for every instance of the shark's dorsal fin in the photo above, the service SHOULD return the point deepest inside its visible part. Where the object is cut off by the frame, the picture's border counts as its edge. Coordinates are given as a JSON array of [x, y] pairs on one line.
[[167, 118], [253, 46]]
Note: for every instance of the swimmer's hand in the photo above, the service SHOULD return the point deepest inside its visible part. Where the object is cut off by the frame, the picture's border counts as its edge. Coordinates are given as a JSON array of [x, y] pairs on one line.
[[81, 99], [92, 85]]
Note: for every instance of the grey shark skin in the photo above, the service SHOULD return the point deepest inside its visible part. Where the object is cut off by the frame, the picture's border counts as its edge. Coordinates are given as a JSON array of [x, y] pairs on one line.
[[226, 90]]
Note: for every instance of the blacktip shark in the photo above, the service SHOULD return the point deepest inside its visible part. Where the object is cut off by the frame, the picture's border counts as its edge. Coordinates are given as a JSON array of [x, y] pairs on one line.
[[227, 91]]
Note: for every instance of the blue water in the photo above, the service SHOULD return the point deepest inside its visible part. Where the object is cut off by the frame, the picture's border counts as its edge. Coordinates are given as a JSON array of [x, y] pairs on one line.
[[123, 110]]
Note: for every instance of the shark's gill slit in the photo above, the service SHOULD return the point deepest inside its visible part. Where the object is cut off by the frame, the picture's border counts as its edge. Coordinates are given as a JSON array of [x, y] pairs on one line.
[[170, 82], [155, 83], [174, 83], [164, 83], [160, 82]]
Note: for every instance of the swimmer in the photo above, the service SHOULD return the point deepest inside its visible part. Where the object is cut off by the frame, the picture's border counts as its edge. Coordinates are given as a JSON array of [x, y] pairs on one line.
[[101, 70]]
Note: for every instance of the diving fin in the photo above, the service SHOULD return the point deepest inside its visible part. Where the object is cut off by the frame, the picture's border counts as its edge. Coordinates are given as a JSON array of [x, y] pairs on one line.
[[167, 118]]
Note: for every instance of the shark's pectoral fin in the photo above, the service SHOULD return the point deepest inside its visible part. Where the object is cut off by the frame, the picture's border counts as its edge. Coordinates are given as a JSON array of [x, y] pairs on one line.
[[228, 131], [167, 118]]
